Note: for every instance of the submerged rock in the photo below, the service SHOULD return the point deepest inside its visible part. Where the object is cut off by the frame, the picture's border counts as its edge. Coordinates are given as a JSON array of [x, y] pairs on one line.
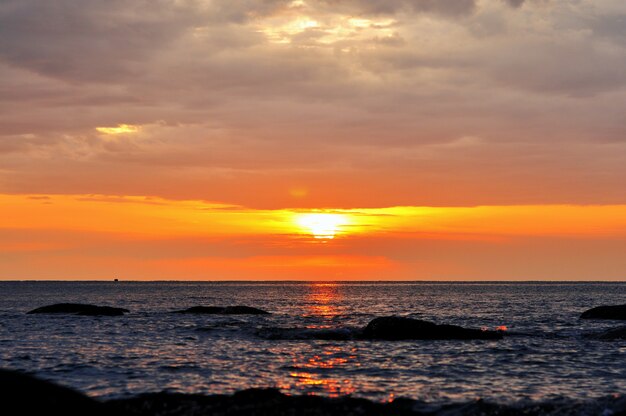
[[389, 328], [617, 312], [81, 309], [399, 328], [26, 395], [611, 334], [224, 310]]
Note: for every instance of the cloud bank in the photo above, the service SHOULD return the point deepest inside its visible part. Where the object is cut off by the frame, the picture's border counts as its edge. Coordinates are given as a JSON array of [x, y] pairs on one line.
[[316, 103]]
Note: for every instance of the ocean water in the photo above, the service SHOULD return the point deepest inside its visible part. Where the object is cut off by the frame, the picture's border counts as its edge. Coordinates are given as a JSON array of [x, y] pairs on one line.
[[545, 355]]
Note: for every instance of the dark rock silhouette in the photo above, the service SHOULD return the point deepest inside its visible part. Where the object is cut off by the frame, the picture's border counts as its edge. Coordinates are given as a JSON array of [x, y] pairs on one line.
[[611, 334], [389, 328], [225, 310], [22, 394], [399, 328], [80, 309], [617, 312]]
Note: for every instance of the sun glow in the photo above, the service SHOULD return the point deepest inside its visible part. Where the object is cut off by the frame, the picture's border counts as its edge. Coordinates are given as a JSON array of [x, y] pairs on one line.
[[150, 237], [120, 129], [322, 225], [282, 33], [304, 26]]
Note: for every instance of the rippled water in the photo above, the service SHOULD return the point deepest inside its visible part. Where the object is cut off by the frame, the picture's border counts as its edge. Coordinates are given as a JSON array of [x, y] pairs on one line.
[[151, 349]]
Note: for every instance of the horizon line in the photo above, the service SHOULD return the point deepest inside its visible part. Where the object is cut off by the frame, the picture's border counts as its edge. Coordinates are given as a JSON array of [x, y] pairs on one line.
[[304, 281]]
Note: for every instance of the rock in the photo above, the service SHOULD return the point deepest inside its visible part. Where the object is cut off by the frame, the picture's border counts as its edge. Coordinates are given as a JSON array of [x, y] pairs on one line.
[[390, 328], [26, 395], [81, 309], [399, 328], [617, 312], [203, 309], [224, 310], [22, 394], [611, 334]]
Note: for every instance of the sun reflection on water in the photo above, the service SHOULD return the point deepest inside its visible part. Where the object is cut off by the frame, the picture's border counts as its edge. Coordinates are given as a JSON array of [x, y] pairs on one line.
[[318, 369], [314, 373], [322, 301]]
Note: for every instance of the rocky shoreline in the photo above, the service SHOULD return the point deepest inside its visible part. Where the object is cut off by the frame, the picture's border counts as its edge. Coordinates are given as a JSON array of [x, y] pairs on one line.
[[24, 394]]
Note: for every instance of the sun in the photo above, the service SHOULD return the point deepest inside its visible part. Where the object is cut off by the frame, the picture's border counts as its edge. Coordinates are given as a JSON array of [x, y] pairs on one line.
[[322, 225]]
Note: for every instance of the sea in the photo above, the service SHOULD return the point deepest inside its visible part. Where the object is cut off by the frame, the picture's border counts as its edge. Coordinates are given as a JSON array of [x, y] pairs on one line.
[[547, 352]]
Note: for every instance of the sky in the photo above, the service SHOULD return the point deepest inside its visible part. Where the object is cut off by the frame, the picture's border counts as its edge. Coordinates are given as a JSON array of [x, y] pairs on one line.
[[313, 139]]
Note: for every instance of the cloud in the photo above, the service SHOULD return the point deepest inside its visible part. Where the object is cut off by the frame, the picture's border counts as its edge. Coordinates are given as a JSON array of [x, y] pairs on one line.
[[355, 101], [612, 26], [94, 40], [514, 3], [378, 7], [569, 67]]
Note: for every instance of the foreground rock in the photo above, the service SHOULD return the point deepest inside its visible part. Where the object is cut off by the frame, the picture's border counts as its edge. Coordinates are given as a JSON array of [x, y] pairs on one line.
[[393, 328], [81, 309], [22, 394], [225, 310], [617, 312], [266, 402]]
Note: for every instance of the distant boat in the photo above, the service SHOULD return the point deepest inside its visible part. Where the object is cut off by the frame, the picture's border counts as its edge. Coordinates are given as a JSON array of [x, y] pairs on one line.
[[115, 280]]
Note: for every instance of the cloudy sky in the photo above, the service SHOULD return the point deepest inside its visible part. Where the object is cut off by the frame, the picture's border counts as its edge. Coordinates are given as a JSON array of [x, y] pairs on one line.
[[269, 109]]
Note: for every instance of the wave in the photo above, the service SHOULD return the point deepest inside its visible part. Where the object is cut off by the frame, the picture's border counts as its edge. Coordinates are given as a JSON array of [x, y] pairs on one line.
[[338, 334]]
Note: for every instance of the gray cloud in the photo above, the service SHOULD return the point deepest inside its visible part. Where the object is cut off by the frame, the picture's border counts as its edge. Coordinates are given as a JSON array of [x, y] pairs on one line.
[[571, 67], [612, 26], [377, 7], [514, 3], [90, 40]]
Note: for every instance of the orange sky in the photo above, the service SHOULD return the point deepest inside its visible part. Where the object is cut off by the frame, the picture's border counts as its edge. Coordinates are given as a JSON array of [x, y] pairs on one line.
[[102, 237], [313, 139]]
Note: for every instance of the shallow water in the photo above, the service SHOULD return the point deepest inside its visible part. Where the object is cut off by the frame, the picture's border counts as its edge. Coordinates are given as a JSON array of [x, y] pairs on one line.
[[151, 349]]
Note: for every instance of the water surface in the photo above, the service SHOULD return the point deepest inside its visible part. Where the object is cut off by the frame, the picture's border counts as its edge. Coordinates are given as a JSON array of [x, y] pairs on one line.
[[151, 349]]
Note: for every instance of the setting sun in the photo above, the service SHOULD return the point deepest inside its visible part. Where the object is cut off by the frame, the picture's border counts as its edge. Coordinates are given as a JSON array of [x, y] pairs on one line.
[[322, 225]]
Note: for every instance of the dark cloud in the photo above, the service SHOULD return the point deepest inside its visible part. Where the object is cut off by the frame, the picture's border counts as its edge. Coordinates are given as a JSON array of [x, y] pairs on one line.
[[515, 3], [573, 67], [241, 11], [378, 7], [103, 40], [612, 26]]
